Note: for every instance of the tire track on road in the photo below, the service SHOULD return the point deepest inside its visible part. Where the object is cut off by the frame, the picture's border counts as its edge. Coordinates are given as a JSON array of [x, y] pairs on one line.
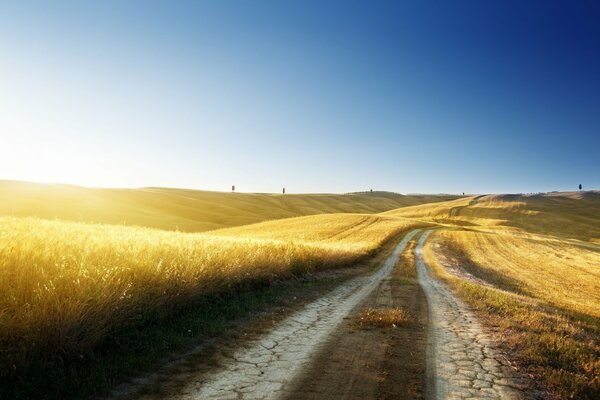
[[461, 360]]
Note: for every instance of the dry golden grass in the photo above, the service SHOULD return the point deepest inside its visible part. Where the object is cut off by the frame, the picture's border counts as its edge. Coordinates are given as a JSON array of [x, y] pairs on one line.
[[181, 209], [66, 286], [405, 271], [351, 231], [383, 318], [565, 215], [572, 215], [441, 210], [555, 271]]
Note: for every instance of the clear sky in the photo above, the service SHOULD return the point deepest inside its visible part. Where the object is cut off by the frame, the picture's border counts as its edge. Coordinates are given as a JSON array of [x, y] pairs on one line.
[[407, 96]]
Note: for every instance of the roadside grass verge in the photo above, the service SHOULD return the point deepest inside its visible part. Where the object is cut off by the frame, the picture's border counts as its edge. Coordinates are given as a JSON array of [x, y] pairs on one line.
[[557, 345], [383, 318], [405, 272], [82, 305]]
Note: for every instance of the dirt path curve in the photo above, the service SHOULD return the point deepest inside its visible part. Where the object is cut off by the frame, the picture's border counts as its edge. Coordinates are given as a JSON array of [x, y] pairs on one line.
[[461, 361], [455, 210], [264, 368]]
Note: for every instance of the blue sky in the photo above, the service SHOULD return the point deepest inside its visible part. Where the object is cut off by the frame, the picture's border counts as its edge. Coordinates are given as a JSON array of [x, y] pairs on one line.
[[317, 96]]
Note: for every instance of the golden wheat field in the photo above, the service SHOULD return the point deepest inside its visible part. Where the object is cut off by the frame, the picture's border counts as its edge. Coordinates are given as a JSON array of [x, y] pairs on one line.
[[352, 231], [439, 210], [65, 286]]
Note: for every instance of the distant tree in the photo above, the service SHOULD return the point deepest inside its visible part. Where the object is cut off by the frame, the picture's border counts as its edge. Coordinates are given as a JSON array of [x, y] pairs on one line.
[[463, 193], [371, 190], [283, 190], [580, 187], [233, 188]]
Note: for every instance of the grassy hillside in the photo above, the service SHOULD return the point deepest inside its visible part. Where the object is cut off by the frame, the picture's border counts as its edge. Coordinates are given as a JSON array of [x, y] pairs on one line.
[[564, 214], [69, 290], [184, 210], [434, 211], [557, 272], [569, 215]]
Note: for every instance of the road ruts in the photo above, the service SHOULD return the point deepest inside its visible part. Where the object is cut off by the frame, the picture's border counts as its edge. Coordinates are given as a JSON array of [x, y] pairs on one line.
[[265, 367], [461, 361]]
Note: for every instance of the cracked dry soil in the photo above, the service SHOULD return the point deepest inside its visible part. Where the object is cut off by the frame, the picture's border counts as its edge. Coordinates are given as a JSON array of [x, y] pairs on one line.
[[461, 360]]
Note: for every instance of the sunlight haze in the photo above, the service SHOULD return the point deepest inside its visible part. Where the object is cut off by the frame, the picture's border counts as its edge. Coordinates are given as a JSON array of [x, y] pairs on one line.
[[334, 97]]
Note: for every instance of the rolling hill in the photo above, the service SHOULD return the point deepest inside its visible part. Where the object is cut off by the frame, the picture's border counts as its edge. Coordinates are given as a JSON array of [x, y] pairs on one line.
[[182, 209], [572, 215]]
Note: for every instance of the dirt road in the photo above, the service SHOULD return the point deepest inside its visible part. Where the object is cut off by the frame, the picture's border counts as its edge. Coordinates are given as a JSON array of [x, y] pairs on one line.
[[318, 352], [266, 368], [461, 361], [379, 361]]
